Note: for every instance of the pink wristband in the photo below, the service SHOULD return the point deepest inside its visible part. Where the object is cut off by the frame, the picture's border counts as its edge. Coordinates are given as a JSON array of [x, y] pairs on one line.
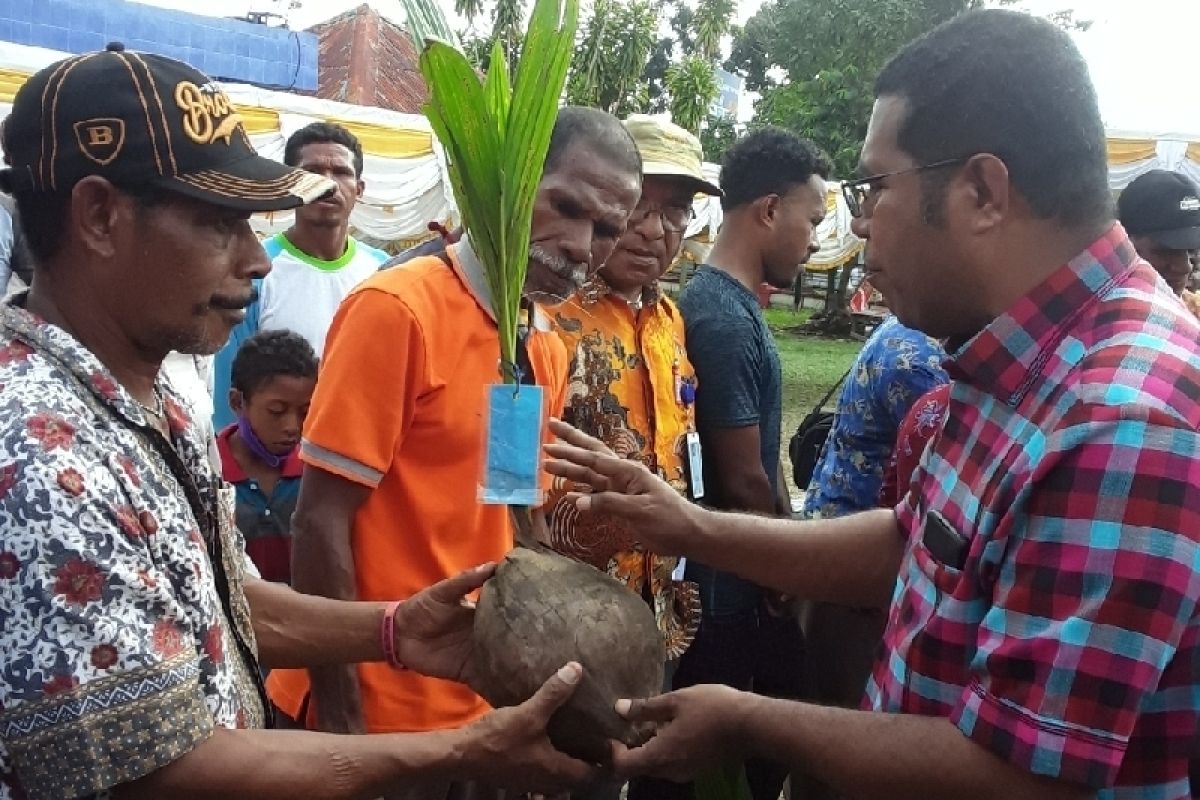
[[387, 636]]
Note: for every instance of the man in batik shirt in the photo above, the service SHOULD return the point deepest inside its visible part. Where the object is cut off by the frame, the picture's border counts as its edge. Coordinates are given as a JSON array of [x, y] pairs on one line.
[[631, 384]]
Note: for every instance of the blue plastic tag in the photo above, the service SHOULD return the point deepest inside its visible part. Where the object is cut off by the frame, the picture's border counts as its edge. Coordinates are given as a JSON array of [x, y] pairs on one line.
[[514, 446]]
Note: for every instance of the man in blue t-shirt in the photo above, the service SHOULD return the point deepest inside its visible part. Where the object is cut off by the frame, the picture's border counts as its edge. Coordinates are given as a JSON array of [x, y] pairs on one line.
[[314, 264], [774, 200]]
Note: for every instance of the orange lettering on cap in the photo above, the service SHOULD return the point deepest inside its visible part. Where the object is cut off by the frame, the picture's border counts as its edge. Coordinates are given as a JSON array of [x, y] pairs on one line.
[[207, 113]]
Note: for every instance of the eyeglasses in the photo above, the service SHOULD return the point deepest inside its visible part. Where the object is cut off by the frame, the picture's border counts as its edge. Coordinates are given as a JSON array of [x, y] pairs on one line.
[[675, 219], [858, 192]]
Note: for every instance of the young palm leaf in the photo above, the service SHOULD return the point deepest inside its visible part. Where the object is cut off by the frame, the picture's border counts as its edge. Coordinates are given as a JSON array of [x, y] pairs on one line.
[[496, 136]]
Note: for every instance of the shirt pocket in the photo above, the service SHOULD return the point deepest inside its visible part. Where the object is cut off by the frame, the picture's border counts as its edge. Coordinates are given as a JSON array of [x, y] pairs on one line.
[[943, 556]]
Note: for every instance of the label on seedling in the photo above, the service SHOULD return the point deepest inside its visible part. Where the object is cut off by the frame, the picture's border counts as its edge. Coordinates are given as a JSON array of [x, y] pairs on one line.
[[514, 446]]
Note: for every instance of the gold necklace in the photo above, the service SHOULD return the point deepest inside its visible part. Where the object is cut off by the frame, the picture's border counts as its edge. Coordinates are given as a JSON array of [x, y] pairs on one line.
[[159, 412]]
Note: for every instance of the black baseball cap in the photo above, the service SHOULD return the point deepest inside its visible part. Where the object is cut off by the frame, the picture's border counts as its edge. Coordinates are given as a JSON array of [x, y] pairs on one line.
[[143, 119], [1163, 205]]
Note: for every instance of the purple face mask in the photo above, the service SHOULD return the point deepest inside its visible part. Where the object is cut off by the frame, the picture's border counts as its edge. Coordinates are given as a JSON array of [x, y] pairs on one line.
[[256, 447]]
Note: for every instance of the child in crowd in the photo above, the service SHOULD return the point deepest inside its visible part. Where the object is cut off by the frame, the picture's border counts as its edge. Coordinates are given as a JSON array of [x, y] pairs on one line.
[[273, 377]]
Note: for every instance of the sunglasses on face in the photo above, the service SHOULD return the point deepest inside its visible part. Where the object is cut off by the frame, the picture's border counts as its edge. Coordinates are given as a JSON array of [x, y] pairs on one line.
[[859, 192]]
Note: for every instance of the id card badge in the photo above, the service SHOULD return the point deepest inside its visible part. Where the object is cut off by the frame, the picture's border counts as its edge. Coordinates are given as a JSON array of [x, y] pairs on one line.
[[695, 465], [514, 446], [680, 570]]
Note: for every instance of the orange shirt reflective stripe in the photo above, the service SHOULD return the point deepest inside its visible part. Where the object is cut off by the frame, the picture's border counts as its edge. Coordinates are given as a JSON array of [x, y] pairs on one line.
[[399, 407]]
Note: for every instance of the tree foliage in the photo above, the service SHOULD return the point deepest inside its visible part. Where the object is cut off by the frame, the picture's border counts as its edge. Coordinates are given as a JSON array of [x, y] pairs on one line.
[[616, 42], [716, 136], [507, 29], [469, 9], [711, 22], [693, 87], [814, 61]]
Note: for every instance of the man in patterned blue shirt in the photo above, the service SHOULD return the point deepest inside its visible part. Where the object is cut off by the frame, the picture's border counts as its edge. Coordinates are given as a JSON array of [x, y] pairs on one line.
[[896, 366]]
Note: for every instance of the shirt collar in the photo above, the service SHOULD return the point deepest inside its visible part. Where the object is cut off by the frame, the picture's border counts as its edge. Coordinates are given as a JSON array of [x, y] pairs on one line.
[[232, 471], [597, 289], [1007, 356], [470, 269], [92, 377]]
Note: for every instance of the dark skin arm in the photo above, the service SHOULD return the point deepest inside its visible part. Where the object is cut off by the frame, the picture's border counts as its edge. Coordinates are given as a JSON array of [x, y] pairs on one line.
[[323, 565], [783, 498], [852, 561], [861, 754], [736, 455], [433, 627], [507, 748]]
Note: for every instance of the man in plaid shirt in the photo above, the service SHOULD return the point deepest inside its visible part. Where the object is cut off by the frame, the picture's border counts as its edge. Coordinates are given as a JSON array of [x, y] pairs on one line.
[[1042, 572]]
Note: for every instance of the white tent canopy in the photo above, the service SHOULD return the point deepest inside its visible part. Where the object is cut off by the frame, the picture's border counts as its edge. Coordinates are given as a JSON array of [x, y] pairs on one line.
[[407, 186], [404, 169]]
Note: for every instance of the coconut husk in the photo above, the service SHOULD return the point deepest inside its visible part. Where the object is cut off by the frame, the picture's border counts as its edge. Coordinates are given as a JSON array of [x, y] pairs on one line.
[[542, 610]]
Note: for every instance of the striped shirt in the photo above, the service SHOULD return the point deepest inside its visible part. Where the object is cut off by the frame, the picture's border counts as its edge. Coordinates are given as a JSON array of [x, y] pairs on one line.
[[1047, 601]]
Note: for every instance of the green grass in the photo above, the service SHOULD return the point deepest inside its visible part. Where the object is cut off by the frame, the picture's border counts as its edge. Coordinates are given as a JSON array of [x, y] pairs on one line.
[[810, 365]]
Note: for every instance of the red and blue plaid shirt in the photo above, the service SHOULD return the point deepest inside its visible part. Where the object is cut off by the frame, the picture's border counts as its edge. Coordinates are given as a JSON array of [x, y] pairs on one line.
[[1057, 624]]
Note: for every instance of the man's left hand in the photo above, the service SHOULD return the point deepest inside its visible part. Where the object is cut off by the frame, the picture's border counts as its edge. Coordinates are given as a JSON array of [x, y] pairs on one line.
[[433, 627], [698, 728]]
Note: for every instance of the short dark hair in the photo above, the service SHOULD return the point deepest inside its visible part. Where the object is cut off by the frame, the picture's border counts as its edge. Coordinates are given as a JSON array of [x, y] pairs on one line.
[[269, 354], [769, 160], [42, 216], [1012, 85], [597, 129], [323, 133]]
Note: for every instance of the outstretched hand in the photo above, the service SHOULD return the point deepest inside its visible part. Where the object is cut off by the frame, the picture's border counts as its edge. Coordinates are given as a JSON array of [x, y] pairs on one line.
[[698, 728], [433, 627], [622, 488]]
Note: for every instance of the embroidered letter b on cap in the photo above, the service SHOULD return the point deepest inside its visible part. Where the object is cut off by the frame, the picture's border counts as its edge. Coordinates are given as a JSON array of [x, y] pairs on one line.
[[137, 119]]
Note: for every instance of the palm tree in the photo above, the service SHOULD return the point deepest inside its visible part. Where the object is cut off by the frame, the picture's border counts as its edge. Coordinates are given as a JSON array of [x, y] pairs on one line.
[[589, 66], [631, 52], [506, 27], [469, 9], [692, 86], [611, 55], [711, 22]]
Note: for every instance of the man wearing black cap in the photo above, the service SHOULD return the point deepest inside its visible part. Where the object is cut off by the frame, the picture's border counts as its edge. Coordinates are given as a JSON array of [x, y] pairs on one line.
[[131, 623], [1161, 213]]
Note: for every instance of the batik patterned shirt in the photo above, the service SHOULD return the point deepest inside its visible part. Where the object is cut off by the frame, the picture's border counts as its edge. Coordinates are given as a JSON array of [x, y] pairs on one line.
[[118, 653], [631, 385], [1047, 600], [895, 367]]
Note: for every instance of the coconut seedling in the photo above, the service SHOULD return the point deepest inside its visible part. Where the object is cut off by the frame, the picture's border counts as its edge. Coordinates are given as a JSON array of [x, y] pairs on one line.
[[541, 609]]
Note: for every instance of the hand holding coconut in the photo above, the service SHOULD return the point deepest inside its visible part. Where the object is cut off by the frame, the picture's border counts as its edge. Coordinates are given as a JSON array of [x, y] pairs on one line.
[[697, 728], [510, 747], [433, 627]]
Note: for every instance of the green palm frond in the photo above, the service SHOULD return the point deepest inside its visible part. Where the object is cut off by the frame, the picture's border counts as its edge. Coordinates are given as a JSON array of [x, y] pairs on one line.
[[496, 135]]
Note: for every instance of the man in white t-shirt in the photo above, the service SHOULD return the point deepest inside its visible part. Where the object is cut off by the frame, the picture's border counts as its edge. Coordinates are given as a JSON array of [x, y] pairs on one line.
[[315, 263]]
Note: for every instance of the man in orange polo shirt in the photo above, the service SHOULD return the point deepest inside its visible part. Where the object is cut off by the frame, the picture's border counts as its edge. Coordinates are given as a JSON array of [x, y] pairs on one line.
[[394, 440]]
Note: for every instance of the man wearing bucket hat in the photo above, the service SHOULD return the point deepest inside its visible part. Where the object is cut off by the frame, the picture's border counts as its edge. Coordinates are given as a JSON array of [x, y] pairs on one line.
[[131, 624], [1160, 211], [631, 383]]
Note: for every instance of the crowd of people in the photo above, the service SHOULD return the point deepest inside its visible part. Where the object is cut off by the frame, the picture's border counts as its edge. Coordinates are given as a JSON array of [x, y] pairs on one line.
[[250, 575]]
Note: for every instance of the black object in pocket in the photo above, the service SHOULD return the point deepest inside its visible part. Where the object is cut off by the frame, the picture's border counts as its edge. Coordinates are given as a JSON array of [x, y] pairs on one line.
[[943, 542]]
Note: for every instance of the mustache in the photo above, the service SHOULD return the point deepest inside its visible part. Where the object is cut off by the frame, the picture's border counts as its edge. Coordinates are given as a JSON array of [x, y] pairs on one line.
[[231, 303], [557, 264]]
